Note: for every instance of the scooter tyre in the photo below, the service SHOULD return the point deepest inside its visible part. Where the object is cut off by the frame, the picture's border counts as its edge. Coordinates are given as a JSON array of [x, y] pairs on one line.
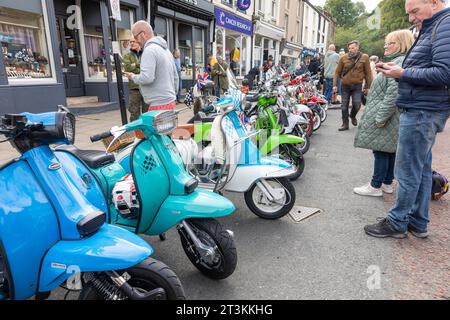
[[147, 275], [295, 157], [278, 214], [209, 229]]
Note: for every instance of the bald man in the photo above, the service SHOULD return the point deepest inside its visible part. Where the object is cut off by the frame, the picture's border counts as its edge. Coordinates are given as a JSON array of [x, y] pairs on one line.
[[158, 77], [330, 65]]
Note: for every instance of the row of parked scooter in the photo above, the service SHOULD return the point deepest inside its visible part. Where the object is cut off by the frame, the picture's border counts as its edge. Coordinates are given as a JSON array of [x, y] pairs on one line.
[[71, 216]]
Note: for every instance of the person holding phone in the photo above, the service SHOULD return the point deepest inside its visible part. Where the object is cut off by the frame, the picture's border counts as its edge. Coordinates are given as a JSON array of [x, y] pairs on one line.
[[424, 104]]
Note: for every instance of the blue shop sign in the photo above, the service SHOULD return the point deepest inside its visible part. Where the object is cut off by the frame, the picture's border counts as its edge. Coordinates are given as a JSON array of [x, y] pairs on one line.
[[308, 52], [232, 22]]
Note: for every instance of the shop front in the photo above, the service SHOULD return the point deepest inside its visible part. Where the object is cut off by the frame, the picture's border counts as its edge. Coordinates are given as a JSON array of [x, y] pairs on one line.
[[54, 49], [185, 25], [308, 54], [267, 42], [233, 41], [290, 55]]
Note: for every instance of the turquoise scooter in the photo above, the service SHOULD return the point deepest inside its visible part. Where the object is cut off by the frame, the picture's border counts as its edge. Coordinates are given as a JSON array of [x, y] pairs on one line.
[[159, 193]]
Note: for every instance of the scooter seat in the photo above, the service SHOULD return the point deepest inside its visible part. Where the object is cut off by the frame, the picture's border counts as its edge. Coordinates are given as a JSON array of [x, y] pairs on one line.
[[253, 98], [93, 158]]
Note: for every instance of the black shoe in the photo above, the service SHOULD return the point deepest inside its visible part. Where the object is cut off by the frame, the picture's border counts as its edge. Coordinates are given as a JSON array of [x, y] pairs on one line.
[[354, 121], [384, 229], [343, 127], [417, 233]]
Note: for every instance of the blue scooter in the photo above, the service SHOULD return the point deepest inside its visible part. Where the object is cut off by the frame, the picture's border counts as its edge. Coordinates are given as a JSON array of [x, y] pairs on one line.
[[53, 224], [160, 194]]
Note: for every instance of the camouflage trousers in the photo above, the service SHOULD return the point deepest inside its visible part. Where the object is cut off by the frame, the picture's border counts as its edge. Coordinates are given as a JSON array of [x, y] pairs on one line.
[[136, 105]]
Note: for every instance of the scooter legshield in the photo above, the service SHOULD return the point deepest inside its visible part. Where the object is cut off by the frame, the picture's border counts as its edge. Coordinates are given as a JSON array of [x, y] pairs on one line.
[[111, 248], [199, 204]]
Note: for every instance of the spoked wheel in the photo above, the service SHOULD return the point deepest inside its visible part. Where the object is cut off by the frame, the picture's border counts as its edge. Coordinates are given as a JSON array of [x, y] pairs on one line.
[[146, 276], [291, 154], [308, 128], [318, 121], [323, 114], [222, 262], [299, 132], [259, 204]]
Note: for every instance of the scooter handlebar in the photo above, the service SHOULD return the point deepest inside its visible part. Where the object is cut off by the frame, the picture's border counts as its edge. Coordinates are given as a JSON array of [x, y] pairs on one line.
[[100, 136]]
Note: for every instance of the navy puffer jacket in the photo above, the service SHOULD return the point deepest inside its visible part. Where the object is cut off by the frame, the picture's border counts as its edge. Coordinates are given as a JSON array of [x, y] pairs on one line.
[[426, 79]]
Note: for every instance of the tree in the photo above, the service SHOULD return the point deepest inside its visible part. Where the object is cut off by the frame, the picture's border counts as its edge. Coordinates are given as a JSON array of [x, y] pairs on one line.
[[344, 11], [393, 16]]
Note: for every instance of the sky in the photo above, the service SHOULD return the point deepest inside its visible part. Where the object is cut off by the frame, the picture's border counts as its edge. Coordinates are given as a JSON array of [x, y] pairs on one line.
[[370, 4]]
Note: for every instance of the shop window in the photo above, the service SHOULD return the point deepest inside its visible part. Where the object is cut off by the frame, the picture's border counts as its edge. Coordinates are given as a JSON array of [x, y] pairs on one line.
[[232, 50], [161, 27], [96, 55], [24, 44], [199, 50], [185, 46], [219, 42]]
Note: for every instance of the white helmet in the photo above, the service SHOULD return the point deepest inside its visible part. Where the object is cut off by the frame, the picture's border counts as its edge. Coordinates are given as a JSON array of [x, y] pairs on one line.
[[125, 197]]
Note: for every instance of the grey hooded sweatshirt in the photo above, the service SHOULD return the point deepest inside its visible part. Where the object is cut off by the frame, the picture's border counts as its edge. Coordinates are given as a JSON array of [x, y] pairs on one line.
[[158, 80], [331, 63]]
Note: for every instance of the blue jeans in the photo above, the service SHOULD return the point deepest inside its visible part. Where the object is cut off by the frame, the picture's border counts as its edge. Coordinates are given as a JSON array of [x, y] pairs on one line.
[[417, 134], [329, 89], [383, 171]]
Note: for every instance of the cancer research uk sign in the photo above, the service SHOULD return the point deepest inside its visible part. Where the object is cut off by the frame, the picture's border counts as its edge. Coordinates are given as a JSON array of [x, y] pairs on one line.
[[230, 21]]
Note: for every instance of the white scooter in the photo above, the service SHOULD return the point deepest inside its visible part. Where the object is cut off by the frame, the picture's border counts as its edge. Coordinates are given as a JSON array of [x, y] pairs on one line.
[[232, 162]]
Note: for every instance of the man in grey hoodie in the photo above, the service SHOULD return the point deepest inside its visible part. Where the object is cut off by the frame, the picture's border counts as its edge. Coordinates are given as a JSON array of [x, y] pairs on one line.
[[331, 63], [158, 79]]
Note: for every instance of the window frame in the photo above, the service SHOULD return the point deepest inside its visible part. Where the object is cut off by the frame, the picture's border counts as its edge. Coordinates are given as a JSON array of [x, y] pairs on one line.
[[52, 79]]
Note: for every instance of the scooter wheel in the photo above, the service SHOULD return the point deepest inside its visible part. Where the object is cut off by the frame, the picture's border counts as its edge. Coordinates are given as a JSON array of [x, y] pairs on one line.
[[254, 200], [302, 147], [148, 275], [318, 119], [294, 156], [211, 233]]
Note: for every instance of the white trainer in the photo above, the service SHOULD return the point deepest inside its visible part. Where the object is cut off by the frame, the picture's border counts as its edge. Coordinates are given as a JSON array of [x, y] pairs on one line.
[[368, 190], [387, 188]]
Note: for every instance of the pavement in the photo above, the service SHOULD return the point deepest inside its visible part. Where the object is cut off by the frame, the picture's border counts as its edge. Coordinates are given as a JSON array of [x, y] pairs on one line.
[[327, 256]]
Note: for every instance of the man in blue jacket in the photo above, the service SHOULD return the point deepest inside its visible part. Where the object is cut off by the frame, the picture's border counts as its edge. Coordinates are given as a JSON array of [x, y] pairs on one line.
[[424, 103]]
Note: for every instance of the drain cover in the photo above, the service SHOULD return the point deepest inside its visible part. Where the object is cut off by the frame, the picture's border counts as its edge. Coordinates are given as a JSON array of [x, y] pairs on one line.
[[299, 214]]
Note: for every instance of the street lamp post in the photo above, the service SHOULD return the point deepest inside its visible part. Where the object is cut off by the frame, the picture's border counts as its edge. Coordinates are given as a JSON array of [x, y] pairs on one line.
[[117, 63]]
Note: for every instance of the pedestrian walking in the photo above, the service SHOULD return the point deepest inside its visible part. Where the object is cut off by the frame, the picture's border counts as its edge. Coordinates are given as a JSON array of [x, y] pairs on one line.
[[158, 77], [424, 103], [353, 68], [176, 57], [219, 72], [132, 64], [378, 128], [330, 65], [314, 65]]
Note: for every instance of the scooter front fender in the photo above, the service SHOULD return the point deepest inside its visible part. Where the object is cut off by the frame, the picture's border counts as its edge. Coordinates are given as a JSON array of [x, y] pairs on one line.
[[247, 175], [274, 141], [111, 248], [199, 204]]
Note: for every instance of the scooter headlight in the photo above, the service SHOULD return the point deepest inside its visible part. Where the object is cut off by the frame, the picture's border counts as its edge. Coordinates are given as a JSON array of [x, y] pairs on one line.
[[165, 122], [68, 127]]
